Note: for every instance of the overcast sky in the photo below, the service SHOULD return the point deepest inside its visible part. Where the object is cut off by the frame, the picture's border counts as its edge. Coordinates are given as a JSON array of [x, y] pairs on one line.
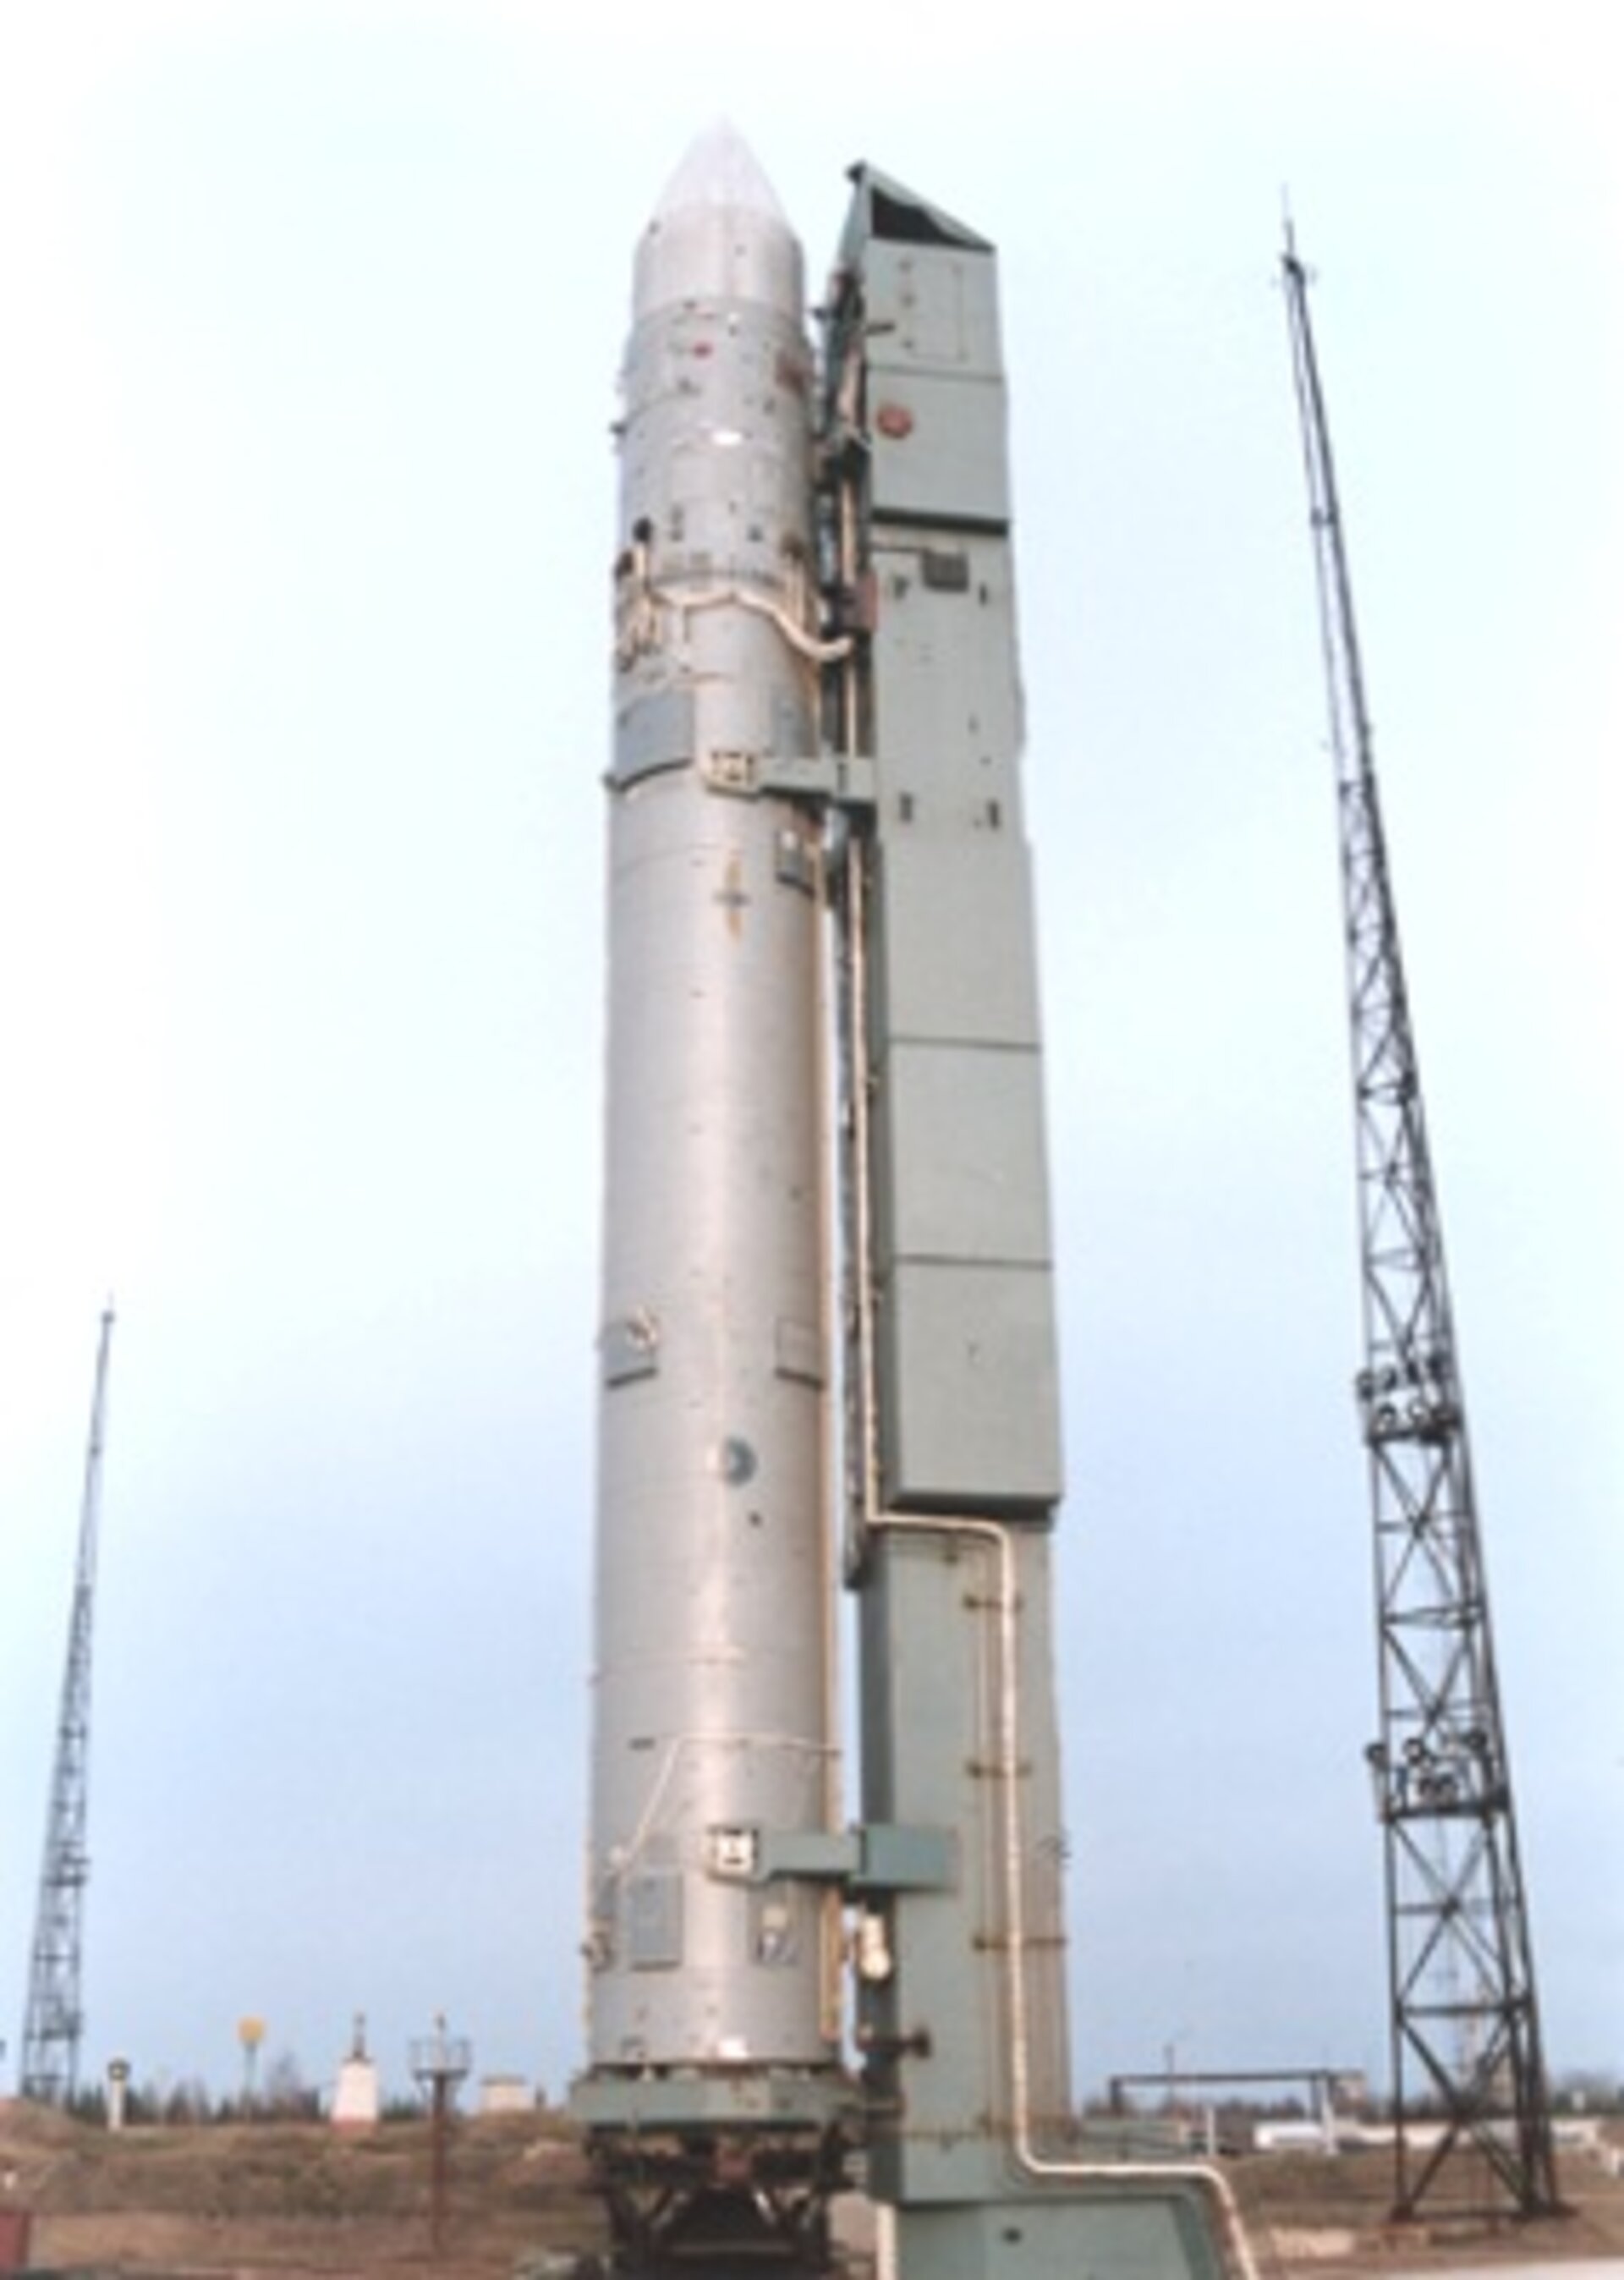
[[311, 319]]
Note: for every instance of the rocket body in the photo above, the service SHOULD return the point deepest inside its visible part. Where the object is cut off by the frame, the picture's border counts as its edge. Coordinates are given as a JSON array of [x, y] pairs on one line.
[[713, 1710]]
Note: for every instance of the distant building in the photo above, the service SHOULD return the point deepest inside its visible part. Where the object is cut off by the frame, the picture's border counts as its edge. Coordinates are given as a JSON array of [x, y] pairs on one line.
[[505, 2093], [355, 2093]]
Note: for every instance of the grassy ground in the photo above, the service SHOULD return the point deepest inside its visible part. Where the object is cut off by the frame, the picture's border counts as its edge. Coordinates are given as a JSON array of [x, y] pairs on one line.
[[293, 2200], [1304, 2212], [300, 2201]]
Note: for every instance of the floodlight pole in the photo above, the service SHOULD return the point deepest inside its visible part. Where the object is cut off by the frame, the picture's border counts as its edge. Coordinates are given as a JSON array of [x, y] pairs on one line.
[[439, 2062]]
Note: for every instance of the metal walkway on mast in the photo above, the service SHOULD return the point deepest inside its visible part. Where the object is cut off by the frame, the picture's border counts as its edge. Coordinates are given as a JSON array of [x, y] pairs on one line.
[[49, 2071], [1464, 2019]]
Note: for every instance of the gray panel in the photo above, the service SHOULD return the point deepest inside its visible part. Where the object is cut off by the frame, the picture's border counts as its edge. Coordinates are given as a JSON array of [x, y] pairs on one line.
[[944, 666], [973, 1413], [964, 1125], [954, 952], [946, 569], [654, 731], [654, 1920], [932, 305], [1151, 2230], [938, 448], [777, 1927], [797, 861]]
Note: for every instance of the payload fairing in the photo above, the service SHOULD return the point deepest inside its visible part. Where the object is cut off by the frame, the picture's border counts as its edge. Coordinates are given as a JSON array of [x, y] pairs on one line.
[[816, 771]]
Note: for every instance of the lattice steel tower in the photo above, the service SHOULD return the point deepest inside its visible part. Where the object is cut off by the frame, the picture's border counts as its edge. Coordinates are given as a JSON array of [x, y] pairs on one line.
[[51, 2030], [1465, 2022]]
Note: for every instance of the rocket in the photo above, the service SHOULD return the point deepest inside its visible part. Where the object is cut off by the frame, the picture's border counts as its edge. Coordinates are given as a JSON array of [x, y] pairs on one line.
[[815, 792], [711, 1989]]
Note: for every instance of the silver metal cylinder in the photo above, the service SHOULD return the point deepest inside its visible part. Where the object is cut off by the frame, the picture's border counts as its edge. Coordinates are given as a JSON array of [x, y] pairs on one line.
[[713, 1682]]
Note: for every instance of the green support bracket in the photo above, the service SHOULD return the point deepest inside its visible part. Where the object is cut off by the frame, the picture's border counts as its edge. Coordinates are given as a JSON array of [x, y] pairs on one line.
[[897, 1860], [847, 779], [868, 1861]]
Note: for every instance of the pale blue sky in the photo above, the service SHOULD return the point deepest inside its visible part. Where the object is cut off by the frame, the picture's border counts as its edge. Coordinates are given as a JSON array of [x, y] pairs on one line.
[[312, 319]]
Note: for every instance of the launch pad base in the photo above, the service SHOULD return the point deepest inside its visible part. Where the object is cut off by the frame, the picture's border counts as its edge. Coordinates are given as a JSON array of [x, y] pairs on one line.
[[718, 2174], [1163, 2232]]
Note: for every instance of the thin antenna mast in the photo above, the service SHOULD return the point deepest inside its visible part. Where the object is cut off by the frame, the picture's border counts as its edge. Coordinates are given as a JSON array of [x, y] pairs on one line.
[[1464, 2020], [51, 2030]]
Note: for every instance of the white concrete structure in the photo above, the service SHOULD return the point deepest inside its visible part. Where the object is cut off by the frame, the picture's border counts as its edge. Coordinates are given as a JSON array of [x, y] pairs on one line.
[[355, 2095]]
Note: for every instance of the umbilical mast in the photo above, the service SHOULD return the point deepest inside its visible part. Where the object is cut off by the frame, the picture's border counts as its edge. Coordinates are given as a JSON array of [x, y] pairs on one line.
[[1465, 2023]]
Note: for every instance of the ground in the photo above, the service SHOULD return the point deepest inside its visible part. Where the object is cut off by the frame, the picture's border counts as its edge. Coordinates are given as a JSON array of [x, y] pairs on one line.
[[292, 2199], [276, 2201], [1307, 2215]]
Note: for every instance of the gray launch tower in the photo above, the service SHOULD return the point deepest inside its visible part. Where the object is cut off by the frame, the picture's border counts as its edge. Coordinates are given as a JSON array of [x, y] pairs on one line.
[[818, 714]]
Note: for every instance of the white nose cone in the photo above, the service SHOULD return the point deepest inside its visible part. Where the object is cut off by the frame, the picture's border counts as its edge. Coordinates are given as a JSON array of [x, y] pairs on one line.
[[719, 169], [718, 234]]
